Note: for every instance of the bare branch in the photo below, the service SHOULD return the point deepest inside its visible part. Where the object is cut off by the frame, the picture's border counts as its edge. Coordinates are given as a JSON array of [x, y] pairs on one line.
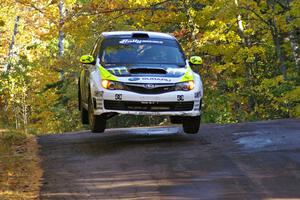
[[257, 15], [40, 10], [127, 10]]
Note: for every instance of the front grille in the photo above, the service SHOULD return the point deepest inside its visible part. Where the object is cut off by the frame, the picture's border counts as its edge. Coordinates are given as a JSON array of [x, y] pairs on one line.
[[148, 106], [158, 89]]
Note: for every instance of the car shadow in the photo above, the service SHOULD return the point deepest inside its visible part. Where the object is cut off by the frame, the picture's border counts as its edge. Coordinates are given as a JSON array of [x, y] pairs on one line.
[[117, 140]]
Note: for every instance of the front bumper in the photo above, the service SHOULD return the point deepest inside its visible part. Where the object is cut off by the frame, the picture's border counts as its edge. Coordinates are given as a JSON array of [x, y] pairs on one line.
[[183, 103]]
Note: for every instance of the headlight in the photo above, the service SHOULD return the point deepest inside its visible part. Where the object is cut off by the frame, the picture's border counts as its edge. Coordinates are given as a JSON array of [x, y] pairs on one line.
[[185, 86], [112, 85]]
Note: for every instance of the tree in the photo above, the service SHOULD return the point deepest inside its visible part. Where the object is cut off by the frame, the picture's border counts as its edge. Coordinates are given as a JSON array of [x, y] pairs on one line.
[[250, 50]]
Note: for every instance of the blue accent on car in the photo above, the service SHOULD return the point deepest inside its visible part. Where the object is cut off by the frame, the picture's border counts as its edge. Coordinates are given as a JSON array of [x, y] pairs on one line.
[[134, 79]]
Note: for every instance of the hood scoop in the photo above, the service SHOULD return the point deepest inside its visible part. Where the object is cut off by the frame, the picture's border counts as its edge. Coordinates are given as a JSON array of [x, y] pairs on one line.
[[147, 71]]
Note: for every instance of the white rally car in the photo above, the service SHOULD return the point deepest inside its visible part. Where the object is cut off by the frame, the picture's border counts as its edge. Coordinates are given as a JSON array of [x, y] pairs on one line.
[[139, 73]]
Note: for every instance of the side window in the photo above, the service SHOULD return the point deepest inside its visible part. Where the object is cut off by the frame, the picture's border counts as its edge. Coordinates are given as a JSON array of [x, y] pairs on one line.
[[96, 49], [101, 50]]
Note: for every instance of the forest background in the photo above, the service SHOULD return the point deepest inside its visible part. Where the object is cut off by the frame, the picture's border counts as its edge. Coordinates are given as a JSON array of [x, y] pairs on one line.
[[250, 48]]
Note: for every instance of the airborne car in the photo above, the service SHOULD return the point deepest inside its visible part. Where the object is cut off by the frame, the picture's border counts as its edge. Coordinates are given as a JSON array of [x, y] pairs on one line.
[[139, 73]]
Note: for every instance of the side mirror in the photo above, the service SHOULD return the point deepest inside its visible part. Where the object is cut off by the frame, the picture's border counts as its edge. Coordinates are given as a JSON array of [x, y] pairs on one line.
[[196, 60], [87, 59]]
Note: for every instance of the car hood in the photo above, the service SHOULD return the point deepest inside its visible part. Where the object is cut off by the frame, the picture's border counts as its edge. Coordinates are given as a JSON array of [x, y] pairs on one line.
[[146, 70]]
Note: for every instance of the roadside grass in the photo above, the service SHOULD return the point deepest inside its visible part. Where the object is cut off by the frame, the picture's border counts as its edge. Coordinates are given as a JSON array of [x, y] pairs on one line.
[[19, 166]]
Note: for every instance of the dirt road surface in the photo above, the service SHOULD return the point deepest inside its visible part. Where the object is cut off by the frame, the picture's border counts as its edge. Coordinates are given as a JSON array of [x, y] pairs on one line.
[[259, 160]]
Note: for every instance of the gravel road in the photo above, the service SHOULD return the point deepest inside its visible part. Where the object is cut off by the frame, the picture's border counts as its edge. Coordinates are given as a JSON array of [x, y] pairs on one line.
[[258, 160]]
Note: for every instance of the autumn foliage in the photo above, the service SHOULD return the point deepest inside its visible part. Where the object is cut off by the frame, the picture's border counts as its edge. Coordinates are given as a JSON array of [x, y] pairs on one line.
[[250, 49]]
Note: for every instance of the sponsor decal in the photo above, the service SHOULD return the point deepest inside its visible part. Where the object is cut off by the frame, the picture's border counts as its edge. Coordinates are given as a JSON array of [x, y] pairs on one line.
[[136, 41], [149, 86], [118, 97], [148, 102], [180, 97], [134, 79], [197, 94], [156, 79]]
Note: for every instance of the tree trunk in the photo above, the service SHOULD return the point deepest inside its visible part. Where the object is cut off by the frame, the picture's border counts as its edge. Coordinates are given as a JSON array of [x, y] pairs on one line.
[[240, 25], [192, 26], [61, 35], [11, 46], [24, 108], [245, 43], [294, 41], [295, 50], [279, 54]]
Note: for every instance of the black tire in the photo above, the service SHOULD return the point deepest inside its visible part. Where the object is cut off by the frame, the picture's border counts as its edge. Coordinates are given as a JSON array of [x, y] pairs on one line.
[[97, 122], [79, 96], [191, 125], [176, 119], [84, 116]]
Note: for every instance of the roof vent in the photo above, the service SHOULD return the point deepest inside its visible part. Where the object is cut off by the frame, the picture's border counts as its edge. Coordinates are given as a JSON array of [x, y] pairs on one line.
[[140, 35]]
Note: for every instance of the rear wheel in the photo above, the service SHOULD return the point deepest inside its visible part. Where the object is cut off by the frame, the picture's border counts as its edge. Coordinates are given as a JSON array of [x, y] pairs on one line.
[[191, 125], [97, 122]]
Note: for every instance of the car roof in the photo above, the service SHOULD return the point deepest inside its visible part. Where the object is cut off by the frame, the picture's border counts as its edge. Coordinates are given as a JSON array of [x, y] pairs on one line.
[[128, 34]]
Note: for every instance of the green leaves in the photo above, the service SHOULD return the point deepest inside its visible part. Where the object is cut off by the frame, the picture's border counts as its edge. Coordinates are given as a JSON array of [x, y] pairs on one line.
[[236, 39]]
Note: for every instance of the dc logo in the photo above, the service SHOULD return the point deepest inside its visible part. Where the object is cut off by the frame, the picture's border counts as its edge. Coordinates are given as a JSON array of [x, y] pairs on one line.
[[118, 96], [180, 97]]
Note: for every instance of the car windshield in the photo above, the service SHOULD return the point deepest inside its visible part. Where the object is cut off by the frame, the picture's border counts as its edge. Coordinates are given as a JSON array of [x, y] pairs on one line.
[[141, 51]]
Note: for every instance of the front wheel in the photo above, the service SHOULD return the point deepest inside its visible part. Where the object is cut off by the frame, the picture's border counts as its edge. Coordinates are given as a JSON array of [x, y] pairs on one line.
[[191, 125], [97, 122], [176, 119], [84, 116], [83, 112]]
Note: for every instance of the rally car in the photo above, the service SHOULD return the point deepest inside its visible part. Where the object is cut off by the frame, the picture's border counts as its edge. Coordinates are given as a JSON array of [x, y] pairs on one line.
[[139, 73]]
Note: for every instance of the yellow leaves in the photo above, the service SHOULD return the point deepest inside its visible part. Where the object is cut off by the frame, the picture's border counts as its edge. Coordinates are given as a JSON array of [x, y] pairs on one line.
[[211, 23], [292, 98], [278, 95], [250, 59], [10, 173], [269, 83], [220, 68], [249, 32], [192, 12], [70, 2], [296, 111], [295, 6], [229, 59], [293, 95], [250, 54], [142, 2], [19, 167]]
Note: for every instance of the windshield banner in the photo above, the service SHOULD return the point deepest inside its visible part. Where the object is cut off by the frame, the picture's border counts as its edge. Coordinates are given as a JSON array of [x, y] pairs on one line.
[[136, 41]]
